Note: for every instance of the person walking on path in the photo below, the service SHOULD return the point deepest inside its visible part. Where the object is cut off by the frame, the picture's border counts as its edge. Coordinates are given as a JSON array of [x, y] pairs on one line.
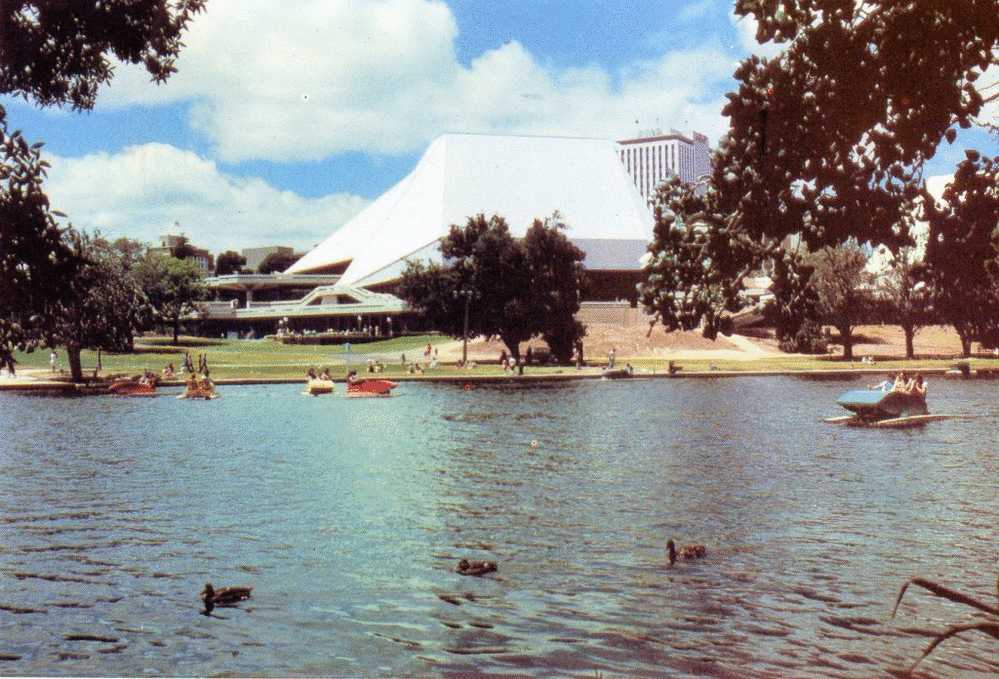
[[53, 360], [611, 355]]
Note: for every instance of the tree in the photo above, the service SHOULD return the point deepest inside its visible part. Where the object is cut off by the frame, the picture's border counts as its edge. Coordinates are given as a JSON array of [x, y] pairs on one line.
[[827, 140], [512, 289], [229, 262], [106, 308], [904, 296], [556, 281], [843, 289], [962, 251], [276, 262], [54, 54], [131, 251], [485, 270], [794, 310], [33, 252], [172, 286]]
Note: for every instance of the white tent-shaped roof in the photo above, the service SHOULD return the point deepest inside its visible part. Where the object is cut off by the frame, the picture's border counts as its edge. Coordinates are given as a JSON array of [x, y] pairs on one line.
[[520, 178]]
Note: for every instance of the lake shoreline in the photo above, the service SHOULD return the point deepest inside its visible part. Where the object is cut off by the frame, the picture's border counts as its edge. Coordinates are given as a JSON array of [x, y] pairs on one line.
[[34, 384]]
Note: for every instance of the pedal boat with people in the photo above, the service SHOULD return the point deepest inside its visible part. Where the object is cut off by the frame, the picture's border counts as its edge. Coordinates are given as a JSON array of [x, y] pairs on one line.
[[316, 387], [883, 409], [132, 387], [199, 388], [360, 388]]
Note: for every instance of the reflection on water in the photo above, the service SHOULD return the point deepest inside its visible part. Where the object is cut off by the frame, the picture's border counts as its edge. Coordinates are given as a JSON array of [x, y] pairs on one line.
[[348, 517]]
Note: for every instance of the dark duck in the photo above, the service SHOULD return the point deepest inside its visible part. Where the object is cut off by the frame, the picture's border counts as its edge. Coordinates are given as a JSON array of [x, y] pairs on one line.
[[686, 552], [466, 567], [225, 596]]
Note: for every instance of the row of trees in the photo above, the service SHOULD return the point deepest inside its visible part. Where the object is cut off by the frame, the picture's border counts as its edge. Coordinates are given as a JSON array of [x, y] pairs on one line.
[[56, 285], [828, 142], [493, 284]]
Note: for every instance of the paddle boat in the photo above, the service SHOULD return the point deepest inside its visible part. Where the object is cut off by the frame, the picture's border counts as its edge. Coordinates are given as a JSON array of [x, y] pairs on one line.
[[199, 388], [370, 388], [883, 409], [130, 387], [317, 386]]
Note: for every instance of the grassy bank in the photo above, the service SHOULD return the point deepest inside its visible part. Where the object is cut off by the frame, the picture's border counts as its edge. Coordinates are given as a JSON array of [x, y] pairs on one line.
[[261, 359]]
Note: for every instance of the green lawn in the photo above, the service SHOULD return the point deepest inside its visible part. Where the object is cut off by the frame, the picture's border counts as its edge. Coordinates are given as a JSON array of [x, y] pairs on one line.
[[231, 358], [270, 359]]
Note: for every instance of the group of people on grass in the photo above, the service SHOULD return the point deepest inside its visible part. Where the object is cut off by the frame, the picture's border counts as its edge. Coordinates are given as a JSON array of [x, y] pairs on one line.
[[904, 384]]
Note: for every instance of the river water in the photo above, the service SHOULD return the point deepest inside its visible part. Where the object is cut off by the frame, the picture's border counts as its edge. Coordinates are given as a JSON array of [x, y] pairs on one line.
[[348, 516]]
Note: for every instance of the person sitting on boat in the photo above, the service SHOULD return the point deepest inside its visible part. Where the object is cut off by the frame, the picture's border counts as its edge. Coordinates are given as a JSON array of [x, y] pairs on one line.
[[920, 386], [352, 377], [168, 371], [311, 373], [884, 385], [901, 382], [325, 375]]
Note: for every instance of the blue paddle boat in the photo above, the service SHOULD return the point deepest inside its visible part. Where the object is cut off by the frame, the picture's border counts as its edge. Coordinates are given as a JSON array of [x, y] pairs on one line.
[[884, 409]]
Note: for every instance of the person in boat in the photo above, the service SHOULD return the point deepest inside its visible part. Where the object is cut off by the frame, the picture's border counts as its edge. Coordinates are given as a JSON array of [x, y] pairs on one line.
[[884, 385], [901, 382], [919, 387], [352, 377], [168, 371], [325, 375], [311, 373]]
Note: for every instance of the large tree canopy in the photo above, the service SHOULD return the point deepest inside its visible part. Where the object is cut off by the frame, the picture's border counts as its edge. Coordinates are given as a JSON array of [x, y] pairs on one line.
[[827, 140], [513, 289], [172, 286], [55, 54], [962, 252], [107, 307]]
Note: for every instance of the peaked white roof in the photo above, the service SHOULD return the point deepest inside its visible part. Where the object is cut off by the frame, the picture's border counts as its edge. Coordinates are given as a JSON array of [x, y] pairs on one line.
[[520, 178]]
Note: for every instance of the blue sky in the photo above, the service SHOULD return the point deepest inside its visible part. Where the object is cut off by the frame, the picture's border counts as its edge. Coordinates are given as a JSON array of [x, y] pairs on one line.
[[285, 120]]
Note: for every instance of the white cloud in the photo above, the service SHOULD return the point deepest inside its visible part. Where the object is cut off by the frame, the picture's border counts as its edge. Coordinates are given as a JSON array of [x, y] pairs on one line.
[[141, 191], [319, 77], [745, 28]]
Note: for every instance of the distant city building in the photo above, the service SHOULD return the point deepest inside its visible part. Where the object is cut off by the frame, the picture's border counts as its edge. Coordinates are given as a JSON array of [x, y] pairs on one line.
[[169, 244], [254, 256], [654, 157]]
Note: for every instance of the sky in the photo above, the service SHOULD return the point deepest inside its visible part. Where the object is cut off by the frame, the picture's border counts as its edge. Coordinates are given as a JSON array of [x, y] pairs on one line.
[[286, 119]]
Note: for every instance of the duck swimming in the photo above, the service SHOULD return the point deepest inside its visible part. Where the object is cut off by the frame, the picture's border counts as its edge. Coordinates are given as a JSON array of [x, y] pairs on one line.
[[466, 567], [686, 552], [225, 596]]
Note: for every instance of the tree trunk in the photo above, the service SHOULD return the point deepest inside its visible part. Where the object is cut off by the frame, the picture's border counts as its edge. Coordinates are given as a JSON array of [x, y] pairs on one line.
[[965, 345], [75, 367], [512, 345], [910, 333], [176, 328], [846, 335]]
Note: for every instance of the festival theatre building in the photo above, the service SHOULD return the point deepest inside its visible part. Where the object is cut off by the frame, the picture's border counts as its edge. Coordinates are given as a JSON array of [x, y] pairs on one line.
[[346, 283]]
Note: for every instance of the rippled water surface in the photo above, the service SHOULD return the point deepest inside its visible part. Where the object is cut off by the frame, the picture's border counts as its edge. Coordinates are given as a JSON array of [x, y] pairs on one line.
[[348, 517]]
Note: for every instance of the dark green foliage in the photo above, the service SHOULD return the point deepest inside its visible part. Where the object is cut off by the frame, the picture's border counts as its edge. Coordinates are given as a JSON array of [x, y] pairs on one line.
[[515, 290], [557, 279], [276, 262], [827, 140], [57, 53], [172, 286], [962, 251], [105, 308], [229, 262], [33, 253], [904, 298], [843, 289], [794, 311], [53, 54]]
